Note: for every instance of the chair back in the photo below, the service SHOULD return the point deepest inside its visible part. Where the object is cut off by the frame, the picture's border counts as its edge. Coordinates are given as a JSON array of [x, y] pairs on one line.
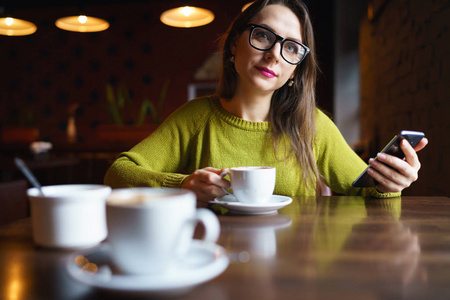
[[13, 201]]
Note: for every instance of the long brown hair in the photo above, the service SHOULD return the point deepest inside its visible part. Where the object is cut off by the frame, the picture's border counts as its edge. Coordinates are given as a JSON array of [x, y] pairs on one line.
[[293, 109]]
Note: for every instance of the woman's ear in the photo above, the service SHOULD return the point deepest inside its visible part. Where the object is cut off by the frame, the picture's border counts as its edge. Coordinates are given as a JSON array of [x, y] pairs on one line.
[[233, 48]]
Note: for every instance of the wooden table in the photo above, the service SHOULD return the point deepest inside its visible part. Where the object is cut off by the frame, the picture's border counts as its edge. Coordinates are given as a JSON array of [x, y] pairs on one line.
[[316, 248]]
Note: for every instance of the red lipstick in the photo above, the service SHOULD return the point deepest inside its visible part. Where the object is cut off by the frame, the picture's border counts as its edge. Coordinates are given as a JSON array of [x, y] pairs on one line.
[[266, 72]]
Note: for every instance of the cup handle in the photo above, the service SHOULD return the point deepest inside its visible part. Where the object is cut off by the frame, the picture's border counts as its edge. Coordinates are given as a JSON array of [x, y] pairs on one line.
[[211, 227], [210, 223], [223, 174]]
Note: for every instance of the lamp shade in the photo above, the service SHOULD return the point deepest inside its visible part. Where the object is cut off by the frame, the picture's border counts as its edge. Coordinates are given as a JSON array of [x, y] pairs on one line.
[[82, 23], [16, 27], [187, 16], [246, 6]]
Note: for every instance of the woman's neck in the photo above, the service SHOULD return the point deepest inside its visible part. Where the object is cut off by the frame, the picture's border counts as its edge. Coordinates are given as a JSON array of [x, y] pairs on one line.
[[248, 106]]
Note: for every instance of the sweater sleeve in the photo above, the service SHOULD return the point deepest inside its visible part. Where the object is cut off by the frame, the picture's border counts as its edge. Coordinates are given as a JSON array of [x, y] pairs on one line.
[[338, 163], [158, 160]]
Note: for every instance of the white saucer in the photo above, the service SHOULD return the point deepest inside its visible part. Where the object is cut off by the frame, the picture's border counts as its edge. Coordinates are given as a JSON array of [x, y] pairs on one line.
[[204, 262], [234, 206]]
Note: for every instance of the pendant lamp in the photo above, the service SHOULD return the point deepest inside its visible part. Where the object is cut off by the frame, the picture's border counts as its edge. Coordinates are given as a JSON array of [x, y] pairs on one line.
[[187, 17], [82, 23], [16, 27], [246, 6]]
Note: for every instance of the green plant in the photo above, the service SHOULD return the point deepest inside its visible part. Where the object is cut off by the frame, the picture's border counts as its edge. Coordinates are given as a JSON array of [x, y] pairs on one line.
[[120, 105], [27, 119], [23, 118]]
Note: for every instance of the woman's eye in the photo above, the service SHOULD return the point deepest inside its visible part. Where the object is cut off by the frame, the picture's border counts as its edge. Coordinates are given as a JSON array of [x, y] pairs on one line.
[[261, 35], [291, 47]]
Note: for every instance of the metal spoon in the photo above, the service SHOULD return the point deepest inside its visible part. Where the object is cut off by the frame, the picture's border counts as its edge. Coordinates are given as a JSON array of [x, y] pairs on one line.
[[26, 171]]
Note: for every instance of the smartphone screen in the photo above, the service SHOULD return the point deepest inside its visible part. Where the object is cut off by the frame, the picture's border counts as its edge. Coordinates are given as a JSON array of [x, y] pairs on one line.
[[392, 148]]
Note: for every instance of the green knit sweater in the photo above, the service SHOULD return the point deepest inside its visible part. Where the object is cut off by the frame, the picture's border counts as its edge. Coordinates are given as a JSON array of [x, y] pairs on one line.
[[202, 134]]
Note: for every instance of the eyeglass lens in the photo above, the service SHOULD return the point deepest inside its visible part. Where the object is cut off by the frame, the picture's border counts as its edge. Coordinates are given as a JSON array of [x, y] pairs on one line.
[[263, 39]]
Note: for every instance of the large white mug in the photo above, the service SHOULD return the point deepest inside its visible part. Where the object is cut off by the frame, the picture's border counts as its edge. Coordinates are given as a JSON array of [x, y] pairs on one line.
[[69, 216], [149, 229], [252, 184]]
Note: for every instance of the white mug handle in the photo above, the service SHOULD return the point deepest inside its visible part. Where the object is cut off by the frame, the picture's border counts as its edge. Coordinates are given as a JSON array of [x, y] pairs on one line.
[[223, 174], [210, 223], [211, 228]]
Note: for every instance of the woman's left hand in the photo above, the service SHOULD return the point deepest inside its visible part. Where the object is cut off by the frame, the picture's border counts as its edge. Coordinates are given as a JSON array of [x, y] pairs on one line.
[[394, 174]]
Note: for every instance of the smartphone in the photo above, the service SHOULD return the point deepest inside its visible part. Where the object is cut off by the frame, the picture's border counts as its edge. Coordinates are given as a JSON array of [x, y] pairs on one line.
[[392, 148]]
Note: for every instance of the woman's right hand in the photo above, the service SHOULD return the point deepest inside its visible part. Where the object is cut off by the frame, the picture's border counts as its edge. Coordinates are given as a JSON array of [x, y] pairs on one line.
[[206, 183]]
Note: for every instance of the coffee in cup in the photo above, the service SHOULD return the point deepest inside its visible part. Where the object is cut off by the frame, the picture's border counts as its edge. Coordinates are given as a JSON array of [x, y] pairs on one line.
[[253, 185], [150, 229]]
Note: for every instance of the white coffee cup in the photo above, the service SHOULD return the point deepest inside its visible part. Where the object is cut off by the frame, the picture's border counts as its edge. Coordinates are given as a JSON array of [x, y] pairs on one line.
[[69, 216], [150, 229], [252, 184]]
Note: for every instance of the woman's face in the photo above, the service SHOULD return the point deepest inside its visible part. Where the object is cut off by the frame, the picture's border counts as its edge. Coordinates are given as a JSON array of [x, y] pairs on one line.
[[264, 72]]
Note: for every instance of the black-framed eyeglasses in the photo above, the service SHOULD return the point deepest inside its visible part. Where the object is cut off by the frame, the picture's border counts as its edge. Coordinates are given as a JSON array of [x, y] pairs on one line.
[[263, 39]]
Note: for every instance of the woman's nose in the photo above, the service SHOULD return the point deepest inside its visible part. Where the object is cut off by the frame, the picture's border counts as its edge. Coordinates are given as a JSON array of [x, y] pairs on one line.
[[274, 53]]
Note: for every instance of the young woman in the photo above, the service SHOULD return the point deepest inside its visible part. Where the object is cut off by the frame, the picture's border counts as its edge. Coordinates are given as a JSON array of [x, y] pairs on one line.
[[263, 115]]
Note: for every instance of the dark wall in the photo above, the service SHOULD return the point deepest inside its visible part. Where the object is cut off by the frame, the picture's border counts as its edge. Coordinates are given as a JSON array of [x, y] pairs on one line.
[[405, 80], [322, 18], [45, 74]]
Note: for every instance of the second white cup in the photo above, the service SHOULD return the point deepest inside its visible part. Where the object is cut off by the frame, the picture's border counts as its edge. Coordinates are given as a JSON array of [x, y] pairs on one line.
[[69, 216], [253, 185], [149, 229]]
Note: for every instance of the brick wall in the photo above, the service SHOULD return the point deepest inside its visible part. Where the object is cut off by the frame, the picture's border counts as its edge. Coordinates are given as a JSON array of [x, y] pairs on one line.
[[405, 82], [45, 74]]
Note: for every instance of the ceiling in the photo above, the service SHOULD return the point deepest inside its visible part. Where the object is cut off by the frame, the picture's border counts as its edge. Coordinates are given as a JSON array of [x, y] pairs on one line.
[[17, 4]]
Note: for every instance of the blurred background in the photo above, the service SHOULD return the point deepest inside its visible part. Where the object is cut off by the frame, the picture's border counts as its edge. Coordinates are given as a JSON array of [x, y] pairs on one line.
[[385, 67]]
